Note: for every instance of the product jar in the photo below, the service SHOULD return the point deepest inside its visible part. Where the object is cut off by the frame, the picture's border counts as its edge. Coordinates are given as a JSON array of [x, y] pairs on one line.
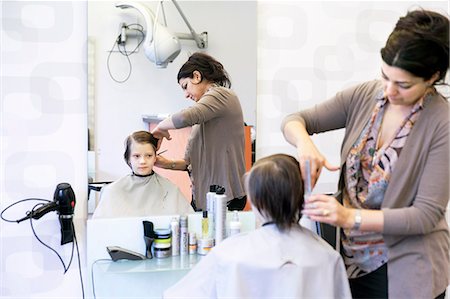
[[162, 244], [204, 246]]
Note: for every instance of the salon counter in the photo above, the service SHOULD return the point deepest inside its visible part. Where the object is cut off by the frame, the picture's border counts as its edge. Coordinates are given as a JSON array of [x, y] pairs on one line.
[[144, 278], [139, 279]]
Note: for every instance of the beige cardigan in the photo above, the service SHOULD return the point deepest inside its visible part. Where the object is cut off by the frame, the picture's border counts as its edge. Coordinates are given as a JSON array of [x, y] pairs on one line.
[[215, 148], [415, 229]]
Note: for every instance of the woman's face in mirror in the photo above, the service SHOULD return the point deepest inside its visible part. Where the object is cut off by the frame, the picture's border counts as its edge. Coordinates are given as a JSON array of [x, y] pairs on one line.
[[142, 158], [194, 88]]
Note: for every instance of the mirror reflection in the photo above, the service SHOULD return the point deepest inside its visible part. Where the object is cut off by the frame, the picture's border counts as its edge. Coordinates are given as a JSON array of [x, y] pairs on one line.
[[143, 191], [149, 94]]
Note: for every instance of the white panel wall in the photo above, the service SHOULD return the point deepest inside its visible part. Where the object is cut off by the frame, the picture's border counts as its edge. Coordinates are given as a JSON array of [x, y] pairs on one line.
[[43, 141]]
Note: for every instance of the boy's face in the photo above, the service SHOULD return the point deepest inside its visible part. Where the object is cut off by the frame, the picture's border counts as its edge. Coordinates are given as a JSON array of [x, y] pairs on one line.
[[142, 158]]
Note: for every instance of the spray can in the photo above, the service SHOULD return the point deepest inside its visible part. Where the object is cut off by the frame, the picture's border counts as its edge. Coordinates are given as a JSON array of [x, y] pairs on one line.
[[184, 236], [220, 206], [235, 224], [175, 229], [210, 209]]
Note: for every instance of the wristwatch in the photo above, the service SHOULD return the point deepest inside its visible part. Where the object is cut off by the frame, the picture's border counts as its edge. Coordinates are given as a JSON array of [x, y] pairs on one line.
[[358, 219]]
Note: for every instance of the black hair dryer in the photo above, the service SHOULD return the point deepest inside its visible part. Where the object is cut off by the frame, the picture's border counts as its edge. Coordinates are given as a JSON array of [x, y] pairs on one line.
[[63, 203], [65, 199]]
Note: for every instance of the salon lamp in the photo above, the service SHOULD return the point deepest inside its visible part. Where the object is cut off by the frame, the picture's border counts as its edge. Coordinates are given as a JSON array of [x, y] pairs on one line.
[[161, 46]]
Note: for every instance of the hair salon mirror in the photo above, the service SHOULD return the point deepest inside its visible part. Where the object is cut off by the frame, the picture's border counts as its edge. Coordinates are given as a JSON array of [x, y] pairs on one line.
[[126, 90]]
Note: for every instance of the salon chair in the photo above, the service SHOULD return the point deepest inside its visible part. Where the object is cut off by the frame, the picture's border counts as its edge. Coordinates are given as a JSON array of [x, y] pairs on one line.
[[96, 186]]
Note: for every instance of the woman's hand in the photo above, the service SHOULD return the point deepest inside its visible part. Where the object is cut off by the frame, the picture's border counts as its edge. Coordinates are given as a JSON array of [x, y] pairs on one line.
[[162, 129], [326, 209], [162, 162], [296, 134], [160, 134], [307, 151]]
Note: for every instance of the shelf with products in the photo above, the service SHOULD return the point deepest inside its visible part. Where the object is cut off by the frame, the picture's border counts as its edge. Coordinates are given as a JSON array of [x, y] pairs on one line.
[[139, 278]]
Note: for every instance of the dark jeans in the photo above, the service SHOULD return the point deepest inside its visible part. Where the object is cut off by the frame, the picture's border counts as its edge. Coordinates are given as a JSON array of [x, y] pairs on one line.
[[236, 204], [374, 285]]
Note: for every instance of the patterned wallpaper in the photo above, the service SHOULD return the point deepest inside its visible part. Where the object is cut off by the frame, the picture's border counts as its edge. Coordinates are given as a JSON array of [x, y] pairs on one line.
[[43, 141]]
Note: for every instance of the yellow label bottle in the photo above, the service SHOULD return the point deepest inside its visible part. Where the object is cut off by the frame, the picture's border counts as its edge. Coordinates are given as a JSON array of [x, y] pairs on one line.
[[205, 225]]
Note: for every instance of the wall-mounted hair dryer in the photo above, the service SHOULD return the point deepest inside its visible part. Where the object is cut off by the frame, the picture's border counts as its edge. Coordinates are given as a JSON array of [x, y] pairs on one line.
[[63, 203], [160, 45]]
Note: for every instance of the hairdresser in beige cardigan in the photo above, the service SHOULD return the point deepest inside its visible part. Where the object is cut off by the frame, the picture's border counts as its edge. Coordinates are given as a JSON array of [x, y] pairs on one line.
[[215, 150], [394, 166]]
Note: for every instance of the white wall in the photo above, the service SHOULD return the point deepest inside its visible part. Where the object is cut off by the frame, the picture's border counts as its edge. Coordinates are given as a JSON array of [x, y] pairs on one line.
[[231, 27], [43, 141], [306, 52]]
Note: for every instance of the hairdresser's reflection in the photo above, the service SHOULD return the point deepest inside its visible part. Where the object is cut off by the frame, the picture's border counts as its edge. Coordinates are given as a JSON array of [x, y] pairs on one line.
[[215, 152], [143, 192]]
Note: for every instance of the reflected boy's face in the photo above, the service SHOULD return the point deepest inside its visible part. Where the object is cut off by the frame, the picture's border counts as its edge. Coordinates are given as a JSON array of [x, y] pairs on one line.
[[142, 158]]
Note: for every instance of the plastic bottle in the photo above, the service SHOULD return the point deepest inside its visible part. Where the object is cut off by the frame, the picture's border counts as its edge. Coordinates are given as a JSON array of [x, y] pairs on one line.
[[175, 229], [210, 208], [184, 236], [205, 225], [220, 207], [235, 224]]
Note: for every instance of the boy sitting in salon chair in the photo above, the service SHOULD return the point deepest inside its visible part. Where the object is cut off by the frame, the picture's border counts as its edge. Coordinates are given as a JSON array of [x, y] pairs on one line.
[[281, 259], [142, 192]]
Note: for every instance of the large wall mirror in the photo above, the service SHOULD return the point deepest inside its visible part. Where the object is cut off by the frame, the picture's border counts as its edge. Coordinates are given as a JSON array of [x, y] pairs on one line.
[[124, 89]]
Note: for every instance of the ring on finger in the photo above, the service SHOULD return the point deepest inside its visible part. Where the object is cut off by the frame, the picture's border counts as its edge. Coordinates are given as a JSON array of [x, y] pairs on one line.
[[325, 212]]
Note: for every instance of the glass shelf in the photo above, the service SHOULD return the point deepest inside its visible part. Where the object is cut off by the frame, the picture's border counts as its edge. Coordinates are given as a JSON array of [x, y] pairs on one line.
[[139, 278], [174, 263]]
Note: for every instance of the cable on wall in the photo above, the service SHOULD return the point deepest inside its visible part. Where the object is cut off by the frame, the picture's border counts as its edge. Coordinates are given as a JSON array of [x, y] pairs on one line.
[[121, 48]]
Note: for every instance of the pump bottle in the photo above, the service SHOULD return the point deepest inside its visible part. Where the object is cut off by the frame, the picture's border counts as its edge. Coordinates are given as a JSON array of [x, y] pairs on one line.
[[235, 224]]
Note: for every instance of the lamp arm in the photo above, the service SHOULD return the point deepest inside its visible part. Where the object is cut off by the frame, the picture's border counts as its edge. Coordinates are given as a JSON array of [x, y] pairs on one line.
[[202, 42]]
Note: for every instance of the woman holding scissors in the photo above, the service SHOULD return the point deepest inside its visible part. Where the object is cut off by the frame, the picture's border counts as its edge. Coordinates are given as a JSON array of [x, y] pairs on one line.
[[394, 165]]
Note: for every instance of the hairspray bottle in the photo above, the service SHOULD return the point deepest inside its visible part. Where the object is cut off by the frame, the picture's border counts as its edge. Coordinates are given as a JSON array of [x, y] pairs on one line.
[[210, 197], [184, 236], [220, 206], [175, 228]]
